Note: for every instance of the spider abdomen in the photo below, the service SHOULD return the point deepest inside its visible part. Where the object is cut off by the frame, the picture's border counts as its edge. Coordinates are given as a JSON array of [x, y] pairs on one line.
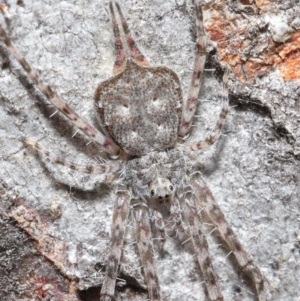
[[140, 108]]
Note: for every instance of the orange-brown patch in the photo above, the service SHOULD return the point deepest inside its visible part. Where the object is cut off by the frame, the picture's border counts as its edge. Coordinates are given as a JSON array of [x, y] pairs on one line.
[[289, 67], [225, 32]]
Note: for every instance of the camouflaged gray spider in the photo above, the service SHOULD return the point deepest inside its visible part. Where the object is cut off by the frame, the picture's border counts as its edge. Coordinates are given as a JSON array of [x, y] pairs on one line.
[[144, 119]]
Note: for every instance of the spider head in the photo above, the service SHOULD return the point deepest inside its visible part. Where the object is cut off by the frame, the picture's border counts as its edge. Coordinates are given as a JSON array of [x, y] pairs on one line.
[[161, 189]]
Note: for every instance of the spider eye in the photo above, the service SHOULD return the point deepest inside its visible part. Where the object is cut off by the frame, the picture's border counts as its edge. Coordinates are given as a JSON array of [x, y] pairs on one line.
[[160, 197], [152, 192], [171, 187]]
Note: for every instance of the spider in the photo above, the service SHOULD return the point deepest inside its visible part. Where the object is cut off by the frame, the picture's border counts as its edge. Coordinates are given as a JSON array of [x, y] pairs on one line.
[[144, 122]]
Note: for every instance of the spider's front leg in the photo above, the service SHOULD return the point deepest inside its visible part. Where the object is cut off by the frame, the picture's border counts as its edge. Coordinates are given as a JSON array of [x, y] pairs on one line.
[[119, 224], [201, 249], [146, 252], [205, 197], [159, 224]]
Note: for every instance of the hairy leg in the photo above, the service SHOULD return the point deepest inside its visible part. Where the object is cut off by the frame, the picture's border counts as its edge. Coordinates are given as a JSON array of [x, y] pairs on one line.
[[159, 224], [194, 146], [145, 247], [201, 249], [205, 197], [91, 169], [176, 216], [120, 62], [135, 53], [97, 137], [119, 223], [190, 105]]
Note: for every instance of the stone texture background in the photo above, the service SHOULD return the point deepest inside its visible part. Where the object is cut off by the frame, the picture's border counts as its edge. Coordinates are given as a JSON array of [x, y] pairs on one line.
[[252, 171]]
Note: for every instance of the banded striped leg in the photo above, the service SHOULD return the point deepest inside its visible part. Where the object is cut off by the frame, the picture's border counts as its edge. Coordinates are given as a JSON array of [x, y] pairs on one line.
[[92, 169], [145, 247], [175, 212], [190, 105], [120, 62], [119, 224], [159, 225], [105, 143], [204, 195], [135, 53], [201, 249], [217, 130]]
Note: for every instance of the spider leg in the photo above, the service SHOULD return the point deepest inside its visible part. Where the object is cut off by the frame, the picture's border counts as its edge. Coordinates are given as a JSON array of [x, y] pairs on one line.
[[217, 130], [135, 53], [204, 195], [145, 247], [105, 143], [120, 62], [201, 249], [91, 169], [159, 224], [120, 216], [189, 107], [175, 212]]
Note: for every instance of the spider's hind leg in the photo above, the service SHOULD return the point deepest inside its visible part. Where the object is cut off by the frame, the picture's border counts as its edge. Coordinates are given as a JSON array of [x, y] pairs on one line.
[[120, 62], [135, 53], [194, 146], [190, 104], [101, 140]]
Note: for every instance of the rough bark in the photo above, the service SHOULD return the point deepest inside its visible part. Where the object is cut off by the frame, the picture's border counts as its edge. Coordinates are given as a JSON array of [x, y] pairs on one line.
[[252, 171]]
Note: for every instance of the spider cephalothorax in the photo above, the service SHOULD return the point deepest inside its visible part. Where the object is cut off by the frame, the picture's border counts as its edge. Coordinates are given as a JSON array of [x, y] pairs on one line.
[[144, 117], [157, 174], [161, 188]]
